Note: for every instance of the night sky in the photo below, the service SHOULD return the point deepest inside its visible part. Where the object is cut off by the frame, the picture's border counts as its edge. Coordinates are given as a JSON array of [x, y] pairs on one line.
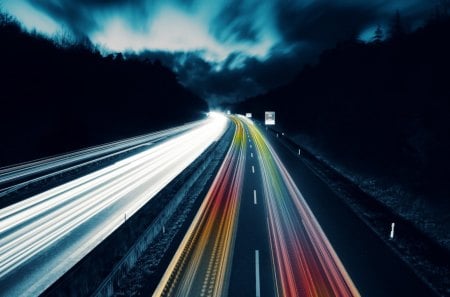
[[223, 50]]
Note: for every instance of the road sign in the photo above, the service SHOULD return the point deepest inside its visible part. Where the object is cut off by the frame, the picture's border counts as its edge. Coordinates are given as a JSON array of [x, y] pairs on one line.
[[270, 118], [248, 115]]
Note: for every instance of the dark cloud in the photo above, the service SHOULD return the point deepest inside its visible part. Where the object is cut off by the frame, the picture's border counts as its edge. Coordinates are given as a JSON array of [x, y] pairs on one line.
[[300, 30], [229, 84], [69, 13], [81, 16], [229, 23], [323, 22]]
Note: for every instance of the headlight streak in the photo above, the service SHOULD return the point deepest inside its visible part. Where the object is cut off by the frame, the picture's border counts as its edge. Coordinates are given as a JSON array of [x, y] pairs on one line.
[[201, 265], [93, 205], [305, 262], [55, 165]]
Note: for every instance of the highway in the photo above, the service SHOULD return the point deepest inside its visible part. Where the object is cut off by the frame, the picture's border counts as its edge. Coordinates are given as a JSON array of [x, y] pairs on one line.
[[20, 175], [43, 236], [305, 263], [373, 266], [254, 234], [201, 265]]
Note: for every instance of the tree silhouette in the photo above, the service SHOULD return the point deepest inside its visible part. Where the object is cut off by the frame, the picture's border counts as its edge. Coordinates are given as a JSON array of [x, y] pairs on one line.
[[388, 95], [441, 11], [378, 34], [397, 29], [7, 20], [445, 7], [60, 95]]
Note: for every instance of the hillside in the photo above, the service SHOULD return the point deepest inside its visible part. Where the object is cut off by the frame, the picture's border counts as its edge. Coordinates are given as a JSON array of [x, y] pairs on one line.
[[380, 113], [59, 98]]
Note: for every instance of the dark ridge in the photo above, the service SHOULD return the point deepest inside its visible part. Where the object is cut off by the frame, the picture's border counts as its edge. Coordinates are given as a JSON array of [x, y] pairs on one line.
[[57, 98], [380, 108]]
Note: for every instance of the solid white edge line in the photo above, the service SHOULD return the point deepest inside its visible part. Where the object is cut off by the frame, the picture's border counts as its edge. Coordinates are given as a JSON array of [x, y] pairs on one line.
[[257, 282]]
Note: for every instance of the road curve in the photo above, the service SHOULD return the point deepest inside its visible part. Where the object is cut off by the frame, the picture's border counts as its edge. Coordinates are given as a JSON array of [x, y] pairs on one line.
[[20, 175], [43, 236], [305, 262], [302, 261], [201, 264]]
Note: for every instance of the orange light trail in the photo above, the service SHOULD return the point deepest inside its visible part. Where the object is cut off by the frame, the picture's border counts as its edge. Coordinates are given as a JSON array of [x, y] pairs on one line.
[[201, 265], [304, 260]]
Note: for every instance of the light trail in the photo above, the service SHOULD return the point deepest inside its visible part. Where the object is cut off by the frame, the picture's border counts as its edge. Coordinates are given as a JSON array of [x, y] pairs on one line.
[[305, 262], [201, 265], [20, 175], [42, 237]]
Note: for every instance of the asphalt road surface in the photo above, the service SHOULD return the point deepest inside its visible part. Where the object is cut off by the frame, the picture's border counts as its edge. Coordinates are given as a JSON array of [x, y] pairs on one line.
[[43, 236], [268, 226], [254, 234]]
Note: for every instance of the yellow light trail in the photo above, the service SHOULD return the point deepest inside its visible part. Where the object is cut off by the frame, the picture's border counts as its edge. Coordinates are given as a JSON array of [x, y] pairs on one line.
[[305, 262], [201, 265]]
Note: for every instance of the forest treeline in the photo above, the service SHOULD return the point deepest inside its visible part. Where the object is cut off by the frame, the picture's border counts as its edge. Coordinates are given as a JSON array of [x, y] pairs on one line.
[[57, 97], [380, 108]]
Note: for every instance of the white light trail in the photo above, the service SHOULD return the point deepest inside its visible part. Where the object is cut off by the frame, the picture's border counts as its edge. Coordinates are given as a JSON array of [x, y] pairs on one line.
[[48, 233], [39, 169]]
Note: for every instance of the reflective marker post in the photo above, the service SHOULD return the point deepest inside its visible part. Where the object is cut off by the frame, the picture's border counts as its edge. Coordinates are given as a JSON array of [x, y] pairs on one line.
[[391, 235]]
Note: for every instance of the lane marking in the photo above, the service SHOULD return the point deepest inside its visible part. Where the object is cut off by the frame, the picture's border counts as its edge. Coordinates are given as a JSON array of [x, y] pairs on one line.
[[254, 197], [258, 289], [253, 169], [250, 146], [251, 154]]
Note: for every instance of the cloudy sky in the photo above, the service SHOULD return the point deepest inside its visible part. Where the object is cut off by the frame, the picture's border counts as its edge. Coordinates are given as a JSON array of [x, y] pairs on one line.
[[224, 50]]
